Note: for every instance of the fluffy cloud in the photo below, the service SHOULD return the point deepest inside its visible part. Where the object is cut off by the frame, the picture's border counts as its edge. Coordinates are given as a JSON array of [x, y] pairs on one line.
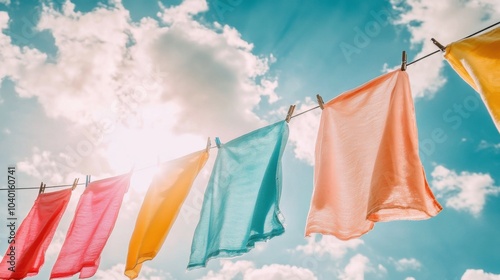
[[247, 271], [465, 191], [41, 165], [5, 2], [104, 60], [58, 168], [13, 57], [55, 245], [116, 273], [356, 268], [329, 245], [479, 274], [407, 264], [484, 145], [410, 278], [141, 84], [304, 130], [426, 19], [280, 272]]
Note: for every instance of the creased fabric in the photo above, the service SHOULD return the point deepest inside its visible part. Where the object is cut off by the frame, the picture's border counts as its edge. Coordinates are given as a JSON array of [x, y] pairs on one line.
[[241, 204], [94, 220], [367, 167], [34, 235], [477, 61], [159, 210]]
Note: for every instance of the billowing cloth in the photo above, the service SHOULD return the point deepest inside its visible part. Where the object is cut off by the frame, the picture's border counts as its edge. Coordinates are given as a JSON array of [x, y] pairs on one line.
[[91, 227], [159, 210], [477, 61], [367, 167], [34, 235], [241, 204]]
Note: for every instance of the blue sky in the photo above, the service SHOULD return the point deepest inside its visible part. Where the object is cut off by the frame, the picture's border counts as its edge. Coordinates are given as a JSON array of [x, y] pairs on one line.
[[93, 87]]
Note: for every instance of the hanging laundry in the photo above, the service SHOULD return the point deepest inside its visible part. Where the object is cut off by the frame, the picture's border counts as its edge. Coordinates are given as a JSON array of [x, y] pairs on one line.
[[91, 227], [241, 204], [34, 236], [367, 167], [477, 61], [159, 210]]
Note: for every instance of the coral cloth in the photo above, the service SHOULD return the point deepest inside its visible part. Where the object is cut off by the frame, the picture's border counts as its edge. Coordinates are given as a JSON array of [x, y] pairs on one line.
[[34, 236], [159, 210], [241, 204], [94, 220], [477, 61], [367, 167]]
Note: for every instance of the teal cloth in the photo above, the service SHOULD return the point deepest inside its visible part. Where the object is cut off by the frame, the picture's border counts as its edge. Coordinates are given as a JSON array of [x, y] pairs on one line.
[[241, 204]]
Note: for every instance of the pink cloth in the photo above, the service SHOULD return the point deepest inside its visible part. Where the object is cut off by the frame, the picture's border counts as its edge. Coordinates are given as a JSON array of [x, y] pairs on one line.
[[92, 225], [34, 235], [367, 164]]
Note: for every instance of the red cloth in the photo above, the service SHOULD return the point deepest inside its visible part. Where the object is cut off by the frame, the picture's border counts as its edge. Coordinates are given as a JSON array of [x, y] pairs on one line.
[[92, 225], [34, 235]]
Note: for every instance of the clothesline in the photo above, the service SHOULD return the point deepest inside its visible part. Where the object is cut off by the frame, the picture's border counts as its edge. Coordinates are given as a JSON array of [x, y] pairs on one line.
[[293, 116], [435, 52]]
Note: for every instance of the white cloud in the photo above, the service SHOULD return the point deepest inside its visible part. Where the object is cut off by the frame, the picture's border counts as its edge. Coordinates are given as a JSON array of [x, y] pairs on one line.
[[280, 272], [356, 268], [485, 145], [117, 273], [185, 11], [13, 57], [229, 270], [55, 245], [426, 19], [465, 191], [304, 130], [208, 73], [57, 168], [410, 278], [329, 245], [41, 165], [479, 274], [7, 131], [141, 84], [246, 270], [407, 264], [382, 269], [5, 2]]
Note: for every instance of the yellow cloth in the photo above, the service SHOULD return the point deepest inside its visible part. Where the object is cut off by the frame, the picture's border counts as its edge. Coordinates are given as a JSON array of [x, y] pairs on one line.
[[477, 61], [159, 210]]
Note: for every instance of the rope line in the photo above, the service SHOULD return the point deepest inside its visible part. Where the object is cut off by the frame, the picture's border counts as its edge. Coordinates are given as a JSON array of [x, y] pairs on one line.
[[293, 116]]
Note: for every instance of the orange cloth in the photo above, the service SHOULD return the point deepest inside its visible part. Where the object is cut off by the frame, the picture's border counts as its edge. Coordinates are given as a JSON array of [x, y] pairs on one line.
[[160, 208], [477, 61], [367, 164]]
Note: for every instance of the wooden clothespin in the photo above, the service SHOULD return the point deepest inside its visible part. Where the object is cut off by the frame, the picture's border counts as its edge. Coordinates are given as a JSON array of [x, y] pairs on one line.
[[441, 47], [87, 181], [217, 142], [42, 188], [320, 101], [290, 113], [75, 183], [209, 145], [403, 61]]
